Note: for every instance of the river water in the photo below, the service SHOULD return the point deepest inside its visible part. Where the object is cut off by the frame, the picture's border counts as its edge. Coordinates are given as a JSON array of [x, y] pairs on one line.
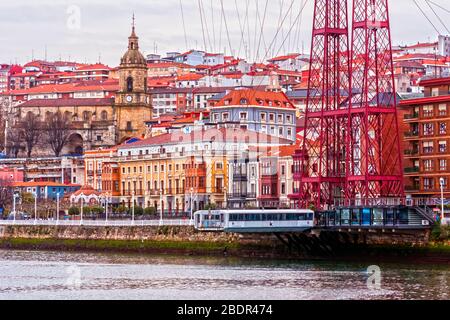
[[62, 275]]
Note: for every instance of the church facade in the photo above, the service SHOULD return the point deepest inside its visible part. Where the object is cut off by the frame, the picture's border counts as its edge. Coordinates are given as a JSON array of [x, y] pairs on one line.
[[101, 122]]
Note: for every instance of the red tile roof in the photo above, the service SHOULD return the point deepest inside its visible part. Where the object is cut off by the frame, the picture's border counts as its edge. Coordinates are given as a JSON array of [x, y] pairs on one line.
[[222, 134], [256, 98], [90, 67], [42, 184], [68, 102], [190, 77], [283, 58], [110, 85]]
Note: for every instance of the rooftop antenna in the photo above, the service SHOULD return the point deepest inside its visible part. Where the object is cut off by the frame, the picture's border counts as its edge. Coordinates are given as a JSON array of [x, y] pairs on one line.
[[45, 58], [32, 54]]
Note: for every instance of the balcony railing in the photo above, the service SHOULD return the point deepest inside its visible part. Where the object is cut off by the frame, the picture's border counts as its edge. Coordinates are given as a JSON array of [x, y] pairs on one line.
[[242, 195], [412, 170], [415, 115], [411, 134], [413, 152]]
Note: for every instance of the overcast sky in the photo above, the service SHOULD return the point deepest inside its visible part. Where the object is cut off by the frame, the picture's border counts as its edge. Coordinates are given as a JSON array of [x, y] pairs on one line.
[[89, 30]]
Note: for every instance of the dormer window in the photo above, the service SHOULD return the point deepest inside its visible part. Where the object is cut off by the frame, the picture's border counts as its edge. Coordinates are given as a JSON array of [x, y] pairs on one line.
[[243, 101]]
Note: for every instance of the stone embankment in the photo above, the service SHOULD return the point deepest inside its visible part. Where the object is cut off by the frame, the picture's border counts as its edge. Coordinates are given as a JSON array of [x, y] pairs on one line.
[[187, 241]]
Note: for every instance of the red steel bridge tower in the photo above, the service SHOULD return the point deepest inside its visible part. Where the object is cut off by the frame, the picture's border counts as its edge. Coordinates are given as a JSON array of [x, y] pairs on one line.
[[320, 174], [374, 164], [351, 147]]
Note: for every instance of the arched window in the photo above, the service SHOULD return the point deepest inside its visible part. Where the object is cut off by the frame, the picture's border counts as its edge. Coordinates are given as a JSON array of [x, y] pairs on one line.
[[104, 115], [130, 84], [86, 116]]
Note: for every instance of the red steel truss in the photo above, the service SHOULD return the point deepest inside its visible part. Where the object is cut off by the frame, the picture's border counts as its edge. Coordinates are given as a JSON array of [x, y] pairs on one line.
[[351, 147], [322, 176], [374, 167]]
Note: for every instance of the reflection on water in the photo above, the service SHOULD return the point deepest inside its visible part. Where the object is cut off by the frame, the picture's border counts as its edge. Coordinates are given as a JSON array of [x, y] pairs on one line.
[[61, 275]]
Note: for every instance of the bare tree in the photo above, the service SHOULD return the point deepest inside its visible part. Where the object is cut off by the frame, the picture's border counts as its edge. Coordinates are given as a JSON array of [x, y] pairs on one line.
[[14, 142], [5, 193], [58, 132], [31, 129]]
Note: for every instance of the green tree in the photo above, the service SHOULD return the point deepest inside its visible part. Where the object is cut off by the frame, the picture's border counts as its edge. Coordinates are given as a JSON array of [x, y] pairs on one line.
[[122, 210], [74, 211], [138, 211], [150, 211]]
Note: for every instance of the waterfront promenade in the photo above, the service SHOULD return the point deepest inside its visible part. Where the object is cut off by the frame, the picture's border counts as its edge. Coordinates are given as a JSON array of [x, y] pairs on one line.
[[98, 223]]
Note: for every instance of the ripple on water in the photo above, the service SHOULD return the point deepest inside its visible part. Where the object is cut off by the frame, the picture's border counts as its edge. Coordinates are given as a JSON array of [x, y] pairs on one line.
[[46, 275]]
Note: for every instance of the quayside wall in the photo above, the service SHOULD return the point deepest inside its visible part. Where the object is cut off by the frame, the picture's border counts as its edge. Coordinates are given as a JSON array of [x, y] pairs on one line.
[[186, 240]]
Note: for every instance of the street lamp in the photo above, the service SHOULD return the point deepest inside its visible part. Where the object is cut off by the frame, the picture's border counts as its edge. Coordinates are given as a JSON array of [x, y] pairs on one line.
[[15, 196], [192, 194], [161, 204], [57, 208], [106, 206], [35, 207], [442, 182], [81, 211], [132, 208]]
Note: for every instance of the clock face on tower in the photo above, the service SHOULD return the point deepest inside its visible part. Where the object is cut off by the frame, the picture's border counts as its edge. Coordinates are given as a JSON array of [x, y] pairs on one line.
[[129, 98]]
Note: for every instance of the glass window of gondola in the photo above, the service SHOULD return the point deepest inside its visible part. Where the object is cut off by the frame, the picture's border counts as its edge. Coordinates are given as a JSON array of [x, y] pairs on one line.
[[403, 216], [366, 216], [345, 216], [355, 217], [390, 216], [377, 216]]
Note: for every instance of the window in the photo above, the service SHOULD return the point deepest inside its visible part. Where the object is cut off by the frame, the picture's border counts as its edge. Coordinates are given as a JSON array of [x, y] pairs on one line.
[[443, 165], [243, 101], [428, 129], [428, 147], [283, 188], [271, 117], [129, 126], [129, 84], [219, 165], [434, 92], [225, 116], [104, 115], [216, 117], [289, 132], [264, 129], [280, 131], [263, 116], [280, 118], [288, 119], [442, 128], [442, 146], [442, 109], [428, 183], [243, 115], [428, 165], [427, 111]]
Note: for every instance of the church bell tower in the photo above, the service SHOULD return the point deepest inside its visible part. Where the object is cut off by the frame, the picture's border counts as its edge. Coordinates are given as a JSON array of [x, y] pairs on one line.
[[133, 104]]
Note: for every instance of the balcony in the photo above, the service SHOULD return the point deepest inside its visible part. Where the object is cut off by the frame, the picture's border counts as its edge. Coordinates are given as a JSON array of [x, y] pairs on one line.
[[411, 153], [412, 116], [413, 188], [238, 176], [412, 134], [242, 195], [412, 170]]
